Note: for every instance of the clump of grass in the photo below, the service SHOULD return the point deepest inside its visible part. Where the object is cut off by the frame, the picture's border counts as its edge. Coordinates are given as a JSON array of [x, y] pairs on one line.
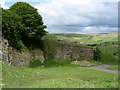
[[50, 63], [18, 76], [113, 68], [58, 63], [108, 58], [35, 63], [66, 62], [57, 77]]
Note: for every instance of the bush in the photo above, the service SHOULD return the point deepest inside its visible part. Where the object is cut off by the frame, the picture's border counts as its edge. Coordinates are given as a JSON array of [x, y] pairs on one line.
[[20, 45], [108, 58], [49, 48], [50, 63], [35, 63], [98, 54]]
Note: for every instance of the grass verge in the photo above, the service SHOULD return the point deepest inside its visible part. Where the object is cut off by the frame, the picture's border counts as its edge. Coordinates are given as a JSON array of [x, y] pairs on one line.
[[57, 77], [113, 68]]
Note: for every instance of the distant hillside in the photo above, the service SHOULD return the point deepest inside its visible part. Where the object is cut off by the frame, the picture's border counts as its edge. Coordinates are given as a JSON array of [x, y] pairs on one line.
[[85, 38], [106, 42]]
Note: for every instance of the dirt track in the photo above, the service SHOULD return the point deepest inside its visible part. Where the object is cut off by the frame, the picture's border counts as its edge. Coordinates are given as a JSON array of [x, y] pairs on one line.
[[103, 68]]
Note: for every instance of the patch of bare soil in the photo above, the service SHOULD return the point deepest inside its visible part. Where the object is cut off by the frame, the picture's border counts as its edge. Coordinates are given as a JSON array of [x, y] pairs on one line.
[[82, 63]]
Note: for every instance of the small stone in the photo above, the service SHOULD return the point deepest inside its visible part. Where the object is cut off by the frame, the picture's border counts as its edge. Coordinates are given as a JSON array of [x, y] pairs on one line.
[[1, 85], [38, 72], [1, 79], [42, 66]]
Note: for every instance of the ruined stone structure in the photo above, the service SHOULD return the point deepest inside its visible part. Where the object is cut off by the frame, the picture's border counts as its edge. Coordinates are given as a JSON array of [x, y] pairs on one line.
[[63, 51], [19, 58], [70, 51]]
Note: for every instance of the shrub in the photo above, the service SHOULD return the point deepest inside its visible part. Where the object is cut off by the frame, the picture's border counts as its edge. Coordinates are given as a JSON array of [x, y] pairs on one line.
[[49, 48], [35, 63], [108, 58], [50, 63], [98, 54]]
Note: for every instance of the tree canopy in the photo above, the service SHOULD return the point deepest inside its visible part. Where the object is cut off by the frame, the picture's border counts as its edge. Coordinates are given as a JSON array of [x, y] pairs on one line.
[[32, 20], [22, 22], [12, 26]]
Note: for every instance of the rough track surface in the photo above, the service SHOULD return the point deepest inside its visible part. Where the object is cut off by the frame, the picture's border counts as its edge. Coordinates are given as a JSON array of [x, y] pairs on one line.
[[103, 68]]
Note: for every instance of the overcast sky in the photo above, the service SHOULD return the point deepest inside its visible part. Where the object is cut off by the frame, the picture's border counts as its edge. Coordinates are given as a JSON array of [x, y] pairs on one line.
[[75, 16]]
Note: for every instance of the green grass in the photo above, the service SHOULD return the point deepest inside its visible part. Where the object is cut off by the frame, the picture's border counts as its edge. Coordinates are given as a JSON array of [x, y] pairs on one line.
[[108, 58], [113, 68], [112, 49], [62, 74], [35, 63], [109, 48], [85, 38], [57, 77], [109, 53], [67, 62], [0, 75]]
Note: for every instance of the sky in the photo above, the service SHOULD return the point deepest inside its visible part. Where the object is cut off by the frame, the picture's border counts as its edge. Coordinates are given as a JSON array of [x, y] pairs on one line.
[[75, 16]]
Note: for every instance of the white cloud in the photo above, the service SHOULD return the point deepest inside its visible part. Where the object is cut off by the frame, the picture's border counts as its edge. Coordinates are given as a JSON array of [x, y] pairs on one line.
[[83, 30], [73, 11], [88, 14], [2, 4], [100, 29], [88, 28]]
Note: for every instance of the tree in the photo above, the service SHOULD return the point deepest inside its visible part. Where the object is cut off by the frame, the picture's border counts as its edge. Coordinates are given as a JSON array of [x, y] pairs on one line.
[[0, 22], [32, 20], [11, 26], [1, 15], [22, 24]]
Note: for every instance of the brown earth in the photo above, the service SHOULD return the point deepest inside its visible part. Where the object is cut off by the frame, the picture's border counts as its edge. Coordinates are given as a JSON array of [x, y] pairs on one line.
[[82, 63]]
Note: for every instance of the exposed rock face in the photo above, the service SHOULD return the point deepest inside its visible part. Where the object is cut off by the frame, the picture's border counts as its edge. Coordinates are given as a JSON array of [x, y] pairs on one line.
[[67, 51], [62, 51], [19, 58]]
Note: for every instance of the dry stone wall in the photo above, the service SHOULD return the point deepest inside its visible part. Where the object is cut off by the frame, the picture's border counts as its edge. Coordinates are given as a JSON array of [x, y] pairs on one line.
[[69, 51]]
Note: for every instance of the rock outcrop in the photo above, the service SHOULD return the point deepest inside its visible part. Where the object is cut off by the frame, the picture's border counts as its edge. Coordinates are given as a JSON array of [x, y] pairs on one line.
[[19, 58], [62, 51]]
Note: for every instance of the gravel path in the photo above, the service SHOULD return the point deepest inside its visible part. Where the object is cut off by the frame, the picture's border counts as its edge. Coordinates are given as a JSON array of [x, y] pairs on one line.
[[103, 68]]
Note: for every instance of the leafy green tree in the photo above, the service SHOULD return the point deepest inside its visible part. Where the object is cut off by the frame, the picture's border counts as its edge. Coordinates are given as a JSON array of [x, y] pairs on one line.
[[22, 24], [11, 27], [0, 22], [32, 20], [1, 15]]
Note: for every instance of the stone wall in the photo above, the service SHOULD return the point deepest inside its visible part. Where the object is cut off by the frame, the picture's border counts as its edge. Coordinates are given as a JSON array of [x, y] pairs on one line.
[[70, 51], [62, 51], [19, 58]]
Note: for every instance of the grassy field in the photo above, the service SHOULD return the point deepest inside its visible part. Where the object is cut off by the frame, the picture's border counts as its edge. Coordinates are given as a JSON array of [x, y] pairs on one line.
[[65, 76], [109, 54], [62, 74], [114, 68], [85, 38]]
